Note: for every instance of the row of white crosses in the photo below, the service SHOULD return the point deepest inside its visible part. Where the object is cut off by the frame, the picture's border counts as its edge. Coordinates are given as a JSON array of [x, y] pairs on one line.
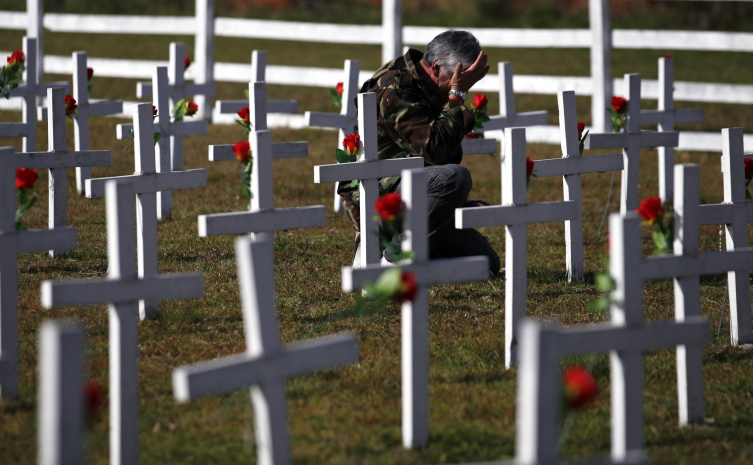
[[86, 110], [508, 117], [121, 290], [170, 146], [28, 92], [267, 362], [415, 314], [12, 244]]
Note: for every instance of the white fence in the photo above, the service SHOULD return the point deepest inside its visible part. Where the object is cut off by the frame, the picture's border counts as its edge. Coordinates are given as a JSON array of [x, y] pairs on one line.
[[391, 35]]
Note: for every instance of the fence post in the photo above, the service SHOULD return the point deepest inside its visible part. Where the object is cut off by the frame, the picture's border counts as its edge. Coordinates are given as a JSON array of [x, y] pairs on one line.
[[601, 64], [204, 54], [392, 29], [34, 29]]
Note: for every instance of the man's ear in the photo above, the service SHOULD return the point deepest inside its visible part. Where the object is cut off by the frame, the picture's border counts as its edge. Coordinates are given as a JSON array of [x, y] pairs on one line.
[[436, 69]]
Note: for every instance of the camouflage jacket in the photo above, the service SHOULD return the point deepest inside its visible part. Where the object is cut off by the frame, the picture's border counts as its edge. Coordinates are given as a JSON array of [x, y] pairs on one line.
[[412, 121]]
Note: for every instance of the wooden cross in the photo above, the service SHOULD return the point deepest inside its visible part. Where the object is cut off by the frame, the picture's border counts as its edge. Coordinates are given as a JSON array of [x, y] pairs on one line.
[[58, 160], [368, 170], [258, 74], [415, 315], [571, 166], [146, 183], [515, 215], [508, 117], [13, 243], [734, 213], [85, 110], [631, 141], [170, 145], [666, 117], [121, 290], [262, 215], [29, 91], [266, 363], [61, 394]]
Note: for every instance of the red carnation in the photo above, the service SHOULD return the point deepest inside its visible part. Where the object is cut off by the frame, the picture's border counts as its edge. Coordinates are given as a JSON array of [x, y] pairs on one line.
[[154, 111], [191, 109], [339, 88], [93, 396], [70, 106], [389, 206], [748, 167], [666, 56], [25, 178], [472, 135], [651, 210], [581, 128], [186, 63], [479, 101], [619, 104], [89, 74], [407, 289], [242, 151], [529, 166], [351, 143], [580, 386], [244, 114], [17, 57]]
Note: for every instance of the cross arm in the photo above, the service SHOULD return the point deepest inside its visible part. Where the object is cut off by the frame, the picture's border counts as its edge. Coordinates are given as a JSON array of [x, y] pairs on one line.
[[579, 165], [472, 146], [152, 182], [440, 271], [705, 263], [14, 130], [105, 107], [229, 107], [605, 140], [144, 89], [42, 87], [365, 170], [205, 378], [221, 224], [530, 118], [721, 213], [36, 160], [279, 150], [329, 120], [104, 290], [40, 240], [504, 215], [205, 88], [660, 139], [679, 116], [184, 128]]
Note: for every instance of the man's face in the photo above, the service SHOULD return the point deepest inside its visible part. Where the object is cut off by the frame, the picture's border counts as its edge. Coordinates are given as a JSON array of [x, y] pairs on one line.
[[443, 81]]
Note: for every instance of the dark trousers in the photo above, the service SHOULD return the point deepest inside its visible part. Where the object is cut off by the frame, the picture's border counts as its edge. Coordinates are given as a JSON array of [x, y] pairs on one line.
[[448, 189]]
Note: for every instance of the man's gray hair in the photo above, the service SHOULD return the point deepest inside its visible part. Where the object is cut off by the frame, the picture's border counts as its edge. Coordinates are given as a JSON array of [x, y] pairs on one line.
[[450, 48]]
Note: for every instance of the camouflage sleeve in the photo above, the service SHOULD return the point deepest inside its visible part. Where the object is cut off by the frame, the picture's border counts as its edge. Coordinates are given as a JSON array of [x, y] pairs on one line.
[[422, 131]]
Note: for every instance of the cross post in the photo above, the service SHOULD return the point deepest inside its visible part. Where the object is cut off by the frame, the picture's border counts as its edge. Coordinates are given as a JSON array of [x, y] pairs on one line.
[[631, 141], [121, 290], [508, 117], [415, 315], [266, 363]]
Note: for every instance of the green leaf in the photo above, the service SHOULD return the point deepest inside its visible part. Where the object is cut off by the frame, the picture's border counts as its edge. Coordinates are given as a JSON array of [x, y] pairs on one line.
[[89, 89], [660, 241], [245, 91], [600, 304], [604, 282], [389, 282], [341, 156], [157, 136], [180, 105], [482, 117], [352, 158], [130, 131]]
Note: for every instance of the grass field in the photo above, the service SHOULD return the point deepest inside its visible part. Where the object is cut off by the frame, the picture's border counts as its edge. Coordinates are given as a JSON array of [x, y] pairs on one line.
[[352, 414]]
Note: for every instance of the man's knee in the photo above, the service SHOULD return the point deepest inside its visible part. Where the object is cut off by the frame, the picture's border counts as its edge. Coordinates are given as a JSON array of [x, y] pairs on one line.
[[455, 179]]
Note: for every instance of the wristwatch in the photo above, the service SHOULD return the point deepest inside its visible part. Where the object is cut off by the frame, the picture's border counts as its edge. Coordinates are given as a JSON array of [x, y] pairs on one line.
[[459, 94]]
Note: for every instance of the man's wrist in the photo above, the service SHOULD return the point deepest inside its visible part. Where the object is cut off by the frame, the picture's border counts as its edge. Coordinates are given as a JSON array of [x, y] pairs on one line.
[[457, 99], [459, 94]]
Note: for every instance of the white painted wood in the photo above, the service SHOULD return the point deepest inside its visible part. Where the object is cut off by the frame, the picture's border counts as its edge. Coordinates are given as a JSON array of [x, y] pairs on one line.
[[204, 54], [601, 63], [415, 315], [121, 290], [153, 182], [508, 117], [392, 29], [266, 363], [61, 394], [279, 150], [34, 30], [631, 141]]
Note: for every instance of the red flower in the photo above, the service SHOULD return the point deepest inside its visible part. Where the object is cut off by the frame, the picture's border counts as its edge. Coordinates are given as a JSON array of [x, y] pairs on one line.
[[580, 386], [619, 104], [154, 111], [186, 63], [651, 210], [581, 127], [389, 206], [472, 135], [529, 166], [339, 88], [70, 105], [351, 143], [17, 57], [242, 151], [748, 167], [89, 74], [191, 109], [666, 56], [244, 114], [93, 397], [25, 178], [408, 288], [479, 101]]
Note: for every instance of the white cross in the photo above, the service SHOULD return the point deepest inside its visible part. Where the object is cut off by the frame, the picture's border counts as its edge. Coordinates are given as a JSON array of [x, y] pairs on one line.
[[121, 290], [29, 92], [147, 182], [266, 363], [631, 141], [172, 138], [734, 213], [571, 166], [666, 117], [258, 74], [508, 117], [58, 160], [415, 315], [263, 216], [61, 401], [85, 111], [13, 243], [367, 170], [516, 214], [178, 88]]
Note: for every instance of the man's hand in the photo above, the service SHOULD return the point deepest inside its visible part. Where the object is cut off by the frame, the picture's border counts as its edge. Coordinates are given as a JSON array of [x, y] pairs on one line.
[[464, 80]]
